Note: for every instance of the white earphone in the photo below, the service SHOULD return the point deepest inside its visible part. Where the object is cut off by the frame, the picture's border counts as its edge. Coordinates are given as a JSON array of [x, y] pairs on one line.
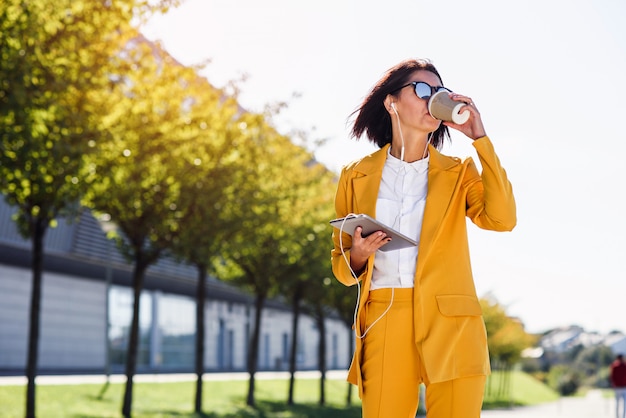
[[393, 106]]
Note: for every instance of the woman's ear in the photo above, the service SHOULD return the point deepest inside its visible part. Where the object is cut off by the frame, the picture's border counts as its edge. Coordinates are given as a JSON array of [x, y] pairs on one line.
[[390, 104]]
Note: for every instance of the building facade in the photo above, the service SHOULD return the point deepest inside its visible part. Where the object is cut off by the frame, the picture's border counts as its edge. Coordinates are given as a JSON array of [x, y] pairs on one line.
[[86, 309]]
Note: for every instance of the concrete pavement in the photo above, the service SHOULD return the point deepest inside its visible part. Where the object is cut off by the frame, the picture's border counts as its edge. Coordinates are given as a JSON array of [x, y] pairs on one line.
[[162, 377], [594, 405]]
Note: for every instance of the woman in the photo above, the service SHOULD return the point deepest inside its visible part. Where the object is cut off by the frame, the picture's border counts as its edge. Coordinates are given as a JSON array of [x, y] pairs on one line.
[[418, 318]]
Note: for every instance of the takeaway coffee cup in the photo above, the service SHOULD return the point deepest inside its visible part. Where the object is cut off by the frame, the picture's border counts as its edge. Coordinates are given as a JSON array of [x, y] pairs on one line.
[[442, 107]]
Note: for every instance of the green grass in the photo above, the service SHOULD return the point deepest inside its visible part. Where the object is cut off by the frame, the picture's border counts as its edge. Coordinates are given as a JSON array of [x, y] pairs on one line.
[[159, 400], [225, 399], [524, 390]]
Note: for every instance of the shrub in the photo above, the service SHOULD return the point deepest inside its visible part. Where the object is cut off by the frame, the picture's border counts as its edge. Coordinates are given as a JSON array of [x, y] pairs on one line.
[[564, 380]]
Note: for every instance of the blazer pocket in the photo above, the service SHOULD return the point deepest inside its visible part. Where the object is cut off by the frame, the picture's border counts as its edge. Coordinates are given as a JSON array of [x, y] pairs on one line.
[[459, 305]]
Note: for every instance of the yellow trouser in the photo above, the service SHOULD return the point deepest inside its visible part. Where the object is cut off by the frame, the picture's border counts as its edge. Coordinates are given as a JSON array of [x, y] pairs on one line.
[[393, 369]]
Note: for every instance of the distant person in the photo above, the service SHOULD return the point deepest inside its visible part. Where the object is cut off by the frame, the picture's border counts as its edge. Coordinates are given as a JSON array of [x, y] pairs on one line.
[[617, 375], [418, 317]]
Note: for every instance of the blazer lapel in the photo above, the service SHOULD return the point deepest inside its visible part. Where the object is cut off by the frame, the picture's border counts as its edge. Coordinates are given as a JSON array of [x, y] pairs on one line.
[[443, 176], [367, 181]]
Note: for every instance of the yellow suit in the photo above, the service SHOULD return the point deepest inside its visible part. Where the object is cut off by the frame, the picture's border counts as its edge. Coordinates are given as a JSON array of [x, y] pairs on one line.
[[449, 329]]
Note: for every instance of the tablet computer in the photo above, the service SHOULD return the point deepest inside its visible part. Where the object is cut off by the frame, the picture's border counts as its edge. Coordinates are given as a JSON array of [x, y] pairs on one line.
[[370, 225]]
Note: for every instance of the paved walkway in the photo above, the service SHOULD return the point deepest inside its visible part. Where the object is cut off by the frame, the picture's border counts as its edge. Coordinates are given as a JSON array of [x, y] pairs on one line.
[[161, 377], [594, 405]]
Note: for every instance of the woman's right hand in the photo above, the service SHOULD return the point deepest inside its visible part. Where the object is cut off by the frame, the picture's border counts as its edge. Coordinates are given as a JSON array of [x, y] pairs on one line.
[[363, 247]]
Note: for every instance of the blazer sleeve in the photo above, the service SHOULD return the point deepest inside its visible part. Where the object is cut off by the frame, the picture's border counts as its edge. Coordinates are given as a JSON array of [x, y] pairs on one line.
[[340, 254], [490, 200]]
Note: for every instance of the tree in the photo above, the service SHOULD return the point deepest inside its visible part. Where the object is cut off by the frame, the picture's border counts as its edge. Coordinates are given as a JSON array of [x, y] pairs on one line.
[[320, 317], [296, 297], [506, 339], [135, 171], [207, 196], [311, 275], [343, 299], [593, 365], [267, 246], [53, 58], [321, 296]]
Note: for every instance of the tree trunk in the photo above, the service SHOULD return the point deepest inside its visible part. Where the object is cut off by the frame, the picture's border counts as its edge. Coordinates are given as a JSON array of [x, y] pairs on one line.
[[294, 342], [253, 352], [321, 325], [509, 375], [500, 390], [488, 386], [200, 302], [39, 232], [133, 342]]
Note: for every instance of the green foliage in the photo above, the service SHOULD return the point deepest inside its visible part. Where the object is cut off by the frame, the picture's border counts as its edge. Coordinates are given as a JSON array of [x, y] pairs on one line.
[[53, 57], [592, 364], [280, 206], [564, 380], [134, 169], [506, 336], [577, 368], [207, 165], [313, 209]]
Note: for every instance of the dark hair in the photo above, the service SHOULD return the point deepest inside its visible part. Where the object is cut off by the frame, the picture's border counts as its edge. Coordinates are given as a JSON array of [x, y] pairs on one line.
[[372, 117]]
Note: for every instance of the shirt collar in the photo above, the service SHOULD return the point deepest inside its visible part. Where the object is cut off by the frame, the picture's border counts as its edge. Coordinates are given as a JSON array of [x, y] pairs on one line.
[[419, 166]]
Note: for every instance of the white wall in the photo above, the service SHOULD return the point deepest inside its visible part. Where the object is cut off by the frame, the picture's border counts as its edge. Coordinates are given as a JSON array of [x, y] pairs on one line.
[[72, 321], [73, 328], [14, 305]]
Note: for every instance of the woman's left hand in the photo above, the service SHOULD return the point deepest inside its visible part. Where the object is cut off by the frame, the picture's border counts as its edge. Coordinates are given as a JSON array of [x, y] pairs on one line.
[[473, 128]]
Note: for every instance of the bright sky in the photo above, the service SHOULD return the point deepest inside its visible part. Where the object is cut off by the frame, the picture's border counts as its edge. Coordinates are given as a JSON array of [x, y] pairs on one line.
[[549, 77]]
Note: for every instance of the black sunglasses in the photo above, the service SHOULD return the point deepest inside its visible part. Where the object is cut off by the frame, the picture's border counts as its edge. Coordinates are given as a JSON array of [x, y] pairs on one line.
[[423, 90]]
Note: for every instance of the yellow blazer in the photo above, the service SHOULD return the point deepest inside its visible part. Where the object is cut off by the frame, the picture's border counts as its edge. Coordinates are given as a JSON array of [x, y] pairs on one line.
[[449, 328]]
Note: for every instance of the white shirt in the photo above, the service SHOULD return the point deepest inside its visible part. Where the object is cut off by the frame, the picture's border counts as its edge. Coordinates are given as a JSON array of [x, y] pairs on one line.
[[400, 204]]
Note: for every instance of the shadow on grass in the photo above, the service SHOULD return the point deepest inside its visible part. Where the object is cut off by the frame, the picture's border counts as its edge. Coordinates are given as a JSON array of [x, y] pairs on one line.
[[97, 398], [268, 409], [164, 414], [271, 409], [501, 404], [178, 414], [264, 409]]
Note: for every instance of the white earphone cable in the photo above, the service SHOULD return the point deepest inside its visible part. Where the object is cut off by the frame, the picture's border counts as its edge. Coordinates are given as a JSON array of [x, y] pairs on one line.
[[430, 135], [400, 129], [358, 285]]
